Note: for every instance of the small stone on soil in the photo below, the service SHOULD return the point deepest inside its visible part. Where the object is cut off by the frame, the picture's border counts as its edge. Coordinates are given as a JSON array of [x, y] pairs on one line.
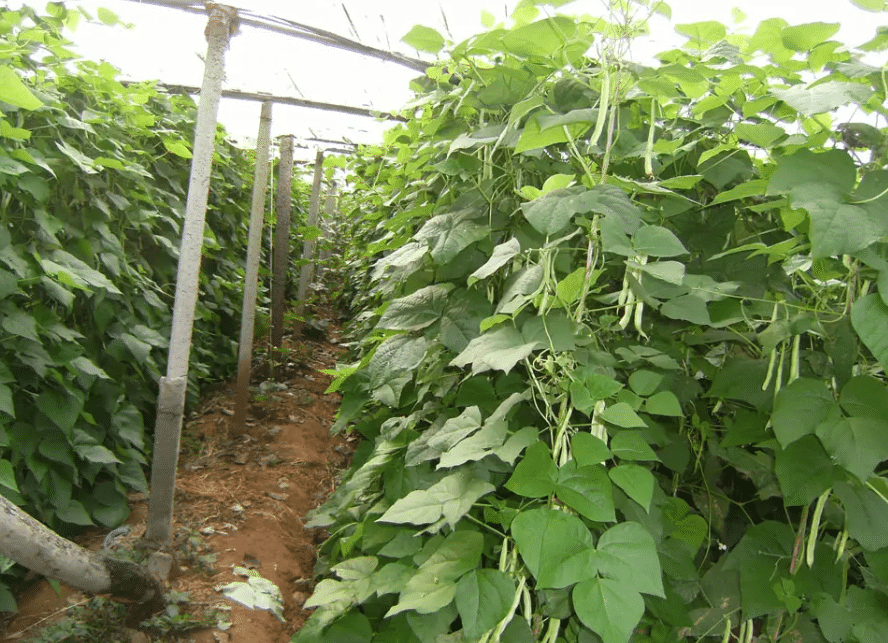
[[278, 496]]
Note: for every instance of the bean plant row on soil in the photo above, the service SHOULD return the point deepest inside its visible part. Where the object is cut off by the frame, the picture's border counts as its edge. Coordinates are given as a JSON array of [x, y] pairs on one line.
[[619, 344], [93, 182]]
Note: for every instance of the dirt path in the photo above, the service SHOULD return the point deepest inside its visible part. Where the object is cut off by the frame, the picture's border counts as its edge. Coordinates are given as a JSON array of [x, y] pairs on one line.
[[242, 501]]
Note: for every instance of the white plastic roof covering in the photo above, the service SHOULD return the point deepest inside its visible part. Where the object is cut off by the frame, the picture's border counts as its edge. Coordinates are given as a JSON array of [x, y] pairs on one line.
[[167, 44]]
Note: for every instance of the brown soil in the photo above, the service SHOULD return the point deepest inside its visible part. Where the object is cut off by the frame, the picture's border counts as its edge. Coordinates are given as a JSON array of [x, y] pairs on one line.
[[243, 499]]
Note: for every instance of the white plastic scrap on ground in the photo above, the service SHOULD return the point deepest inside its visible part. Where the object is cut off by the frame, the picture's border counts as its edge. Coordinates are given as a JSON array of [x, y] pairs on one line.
[[256, 593]]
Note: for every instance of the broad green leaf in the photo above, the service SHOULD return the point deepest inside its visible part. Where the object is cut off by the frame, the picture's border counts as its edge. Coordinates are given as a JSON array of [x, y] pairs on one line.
[[7, 475], [820, 183], [519, 289], [56, 448], [663, 403], [179, 148], [555, 331], [450, 233], [6, 403], [587, 490], [536, 474], [568, 290], [622, 415], [463, 317], [689, 308], [795, 173], [392, 577], [644, 382], [858, 444], [656, 241], [434, 584], [756, 187], [869, 317], [636, 481], [107, 16], [415, 311], [551, 213], [799, 408], [742, 379], [435, 441], [502, 254], [16, 133], [391, 365], [476, 447], [866, 515], [671, 272], [708, 32], [424, 39], [556, 547], [353, 627], [804, 471], [542, 38], [80, 271], [588, 450], [823, 98], [76, 514], [516, 443], [8, 283], [627, 553], [12, 167], [483, 598], [682, 182], [806, 37], [762, 135], [557, 182], [96, 453], [870, 5], [17, 322], [629, 445], [601, 387], [63, 408], [450, 498], [14, 91], [498, 349], [865, 396], [547, 130], [580, 398], [608, 607]]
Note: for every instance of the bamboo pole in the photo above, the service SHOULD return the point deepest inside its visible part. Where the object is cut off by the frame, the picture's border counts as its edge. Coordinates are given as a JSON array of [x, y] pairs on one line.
[[251, 279], [281, 242], [171, 396], [307, 271]]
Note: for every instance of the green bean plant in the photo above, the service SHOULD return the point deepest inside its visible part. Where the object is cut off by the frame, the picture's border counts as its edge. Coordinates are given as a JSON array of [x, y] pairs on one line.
[[93, 183], [618, 343]]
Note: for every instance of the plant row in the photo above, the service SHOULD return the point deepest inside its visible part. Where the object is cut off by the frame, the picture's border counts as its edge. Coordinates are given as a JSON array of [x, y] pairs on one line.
[[619, 345], [93, 183]]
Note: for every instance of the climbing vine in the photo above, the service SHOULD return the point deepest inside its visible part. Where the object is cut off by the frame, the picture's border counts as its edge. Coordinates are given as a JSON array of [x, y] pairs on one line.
[[93, 182], [620, 344]]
